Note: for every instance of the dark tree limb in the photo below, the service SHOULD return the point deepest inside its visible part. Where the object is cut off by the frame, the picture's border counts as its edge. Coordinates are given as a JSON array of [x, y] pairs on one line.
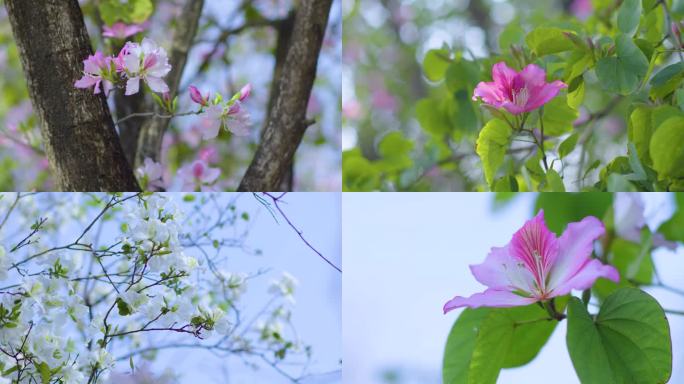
[[284, 30], [80, 141], [286, 121], [152, 131]]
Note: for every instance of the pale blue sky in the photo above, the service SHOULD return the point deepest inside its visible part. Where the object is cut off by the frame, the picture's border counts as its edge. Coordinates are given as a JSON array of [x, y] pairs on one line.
[[317, 314], [406, 254]]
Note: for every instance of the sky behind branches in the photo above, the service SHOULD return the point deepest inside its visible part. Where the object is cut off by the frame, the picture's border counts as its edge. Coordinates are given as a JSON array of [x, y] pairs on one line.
[[316, 315]]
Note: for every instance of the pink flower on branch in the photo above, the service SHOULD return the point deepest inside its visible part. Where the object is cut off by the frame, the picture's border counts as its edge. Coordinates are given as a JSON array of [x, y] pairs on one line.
[[95, 68], [120, 30], [146, 61], [198, 175], [517, 92], [537, 266]]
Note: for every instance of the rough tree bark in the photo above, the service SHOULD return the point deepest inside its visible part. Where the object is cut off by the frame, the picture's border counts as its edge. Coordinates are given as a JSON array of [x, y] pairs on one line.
[[78, 133], [152, 131], [286, 121], [284, 30]]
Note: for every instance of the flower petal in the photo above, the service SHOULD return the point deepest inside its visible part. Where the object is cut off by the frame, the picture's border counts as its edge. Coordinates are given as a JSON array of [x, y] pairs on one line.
[[502, 75], [157, 84], [575, 247], [85, 82], [533, 75], [489, 93], [542, 94], [488, 298], [586, 276], [132, 86], [501, 271], [536, 246]]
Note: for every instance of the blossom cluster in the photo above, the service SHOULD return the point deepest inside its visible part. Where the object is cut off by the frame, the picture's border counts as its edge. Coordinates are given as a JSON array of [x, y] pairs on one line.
[[215, 114], [61, 307], [146, 61]]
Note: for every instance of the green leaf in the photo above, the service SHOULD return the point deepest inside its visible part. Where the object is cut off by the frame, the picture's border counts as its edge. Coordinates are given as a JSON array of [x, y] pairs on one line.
[[431, 118], [665, 74], [554, 182], [124, 308], [633, 261], [576, 96], [506, 184], [491, 146], [460, 345], [436, 63], [395, 151], [558, 117], [672, 228], [623, 73], [485, 340], [44, 371], [513, 33], [628, 16], [628, 342], [547, 40], [358, 174], [667, 148], [134, 11], [563, 208], [568, 145], [640, 131]]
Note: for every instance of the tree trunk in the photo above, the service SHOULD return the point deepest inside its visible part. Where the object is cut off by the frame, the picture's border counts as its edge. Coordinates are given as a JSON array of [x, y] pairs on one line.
[[286, 121], [152, 131], [78, 133]]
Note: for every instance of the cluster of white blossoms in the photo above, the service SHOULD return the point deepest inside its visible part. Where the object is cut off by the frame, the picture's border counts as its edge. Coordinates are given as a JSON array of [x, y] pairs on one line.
[[61, 307]]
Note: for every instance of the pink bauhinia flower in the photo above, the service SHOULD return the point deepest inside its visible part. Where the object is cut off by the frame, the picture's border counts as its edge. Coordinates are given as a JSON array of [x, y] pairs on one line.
[[151, 175], [517, 92], [198, 175], [94, 69], [146, 61], [537, 266], [120, 30]]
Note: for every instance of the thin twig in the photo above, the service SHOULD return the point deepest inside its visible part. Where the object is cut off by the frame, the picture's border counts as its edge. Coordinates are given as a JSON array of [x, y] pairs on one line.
[[276, 200]]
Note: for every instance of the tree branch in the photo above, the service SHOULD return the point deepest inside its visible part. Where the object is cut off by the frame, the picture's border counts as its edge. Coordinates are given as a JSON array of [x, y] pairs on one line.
[[80, 141], [285, 124]]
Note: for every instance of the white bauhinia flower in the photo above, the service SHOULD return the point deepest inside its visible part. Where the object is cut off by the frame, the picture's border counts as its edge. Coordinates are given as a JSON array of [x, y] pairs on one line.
[[285, 286]]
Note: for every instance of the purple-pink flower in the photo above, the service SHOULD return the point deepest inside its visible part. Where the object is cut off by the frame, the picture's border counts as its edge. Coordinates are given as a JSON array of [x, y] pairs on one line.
[[146, 61], [517, 92], [120, 30], [94, 68], [537, 266], [198, 175], [151, 175], [197, 96]]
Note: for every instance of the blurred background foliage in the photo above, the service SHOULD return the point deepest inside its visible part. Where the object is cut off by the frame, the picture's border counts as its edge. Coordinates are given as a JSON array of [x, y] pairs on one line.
[[410, 67], [235, 45]]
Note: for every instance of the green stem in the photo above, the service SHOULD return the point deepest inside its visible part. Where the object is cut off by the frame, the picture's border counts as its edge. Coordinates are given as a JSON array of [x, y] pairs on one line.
[[541, 139]]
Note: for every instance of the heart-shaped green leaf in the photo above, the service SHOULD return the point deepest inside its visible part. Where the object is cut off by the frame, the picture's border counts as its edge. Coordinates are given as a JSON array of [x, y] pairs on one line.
[[628, 341]]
